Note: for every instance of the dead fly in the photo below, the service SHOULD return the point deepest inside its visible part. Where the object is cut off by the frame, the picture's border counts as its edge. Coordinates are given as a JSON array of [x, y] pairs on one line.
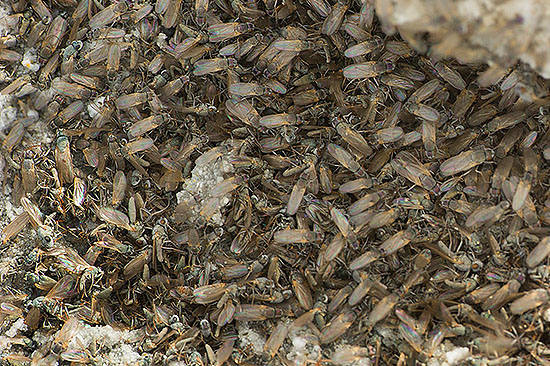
[[384, 218], [29, 178], [170, 16], [290, 236], [252, 312], [382, 309], [408, 166], [275, 341], [108, 15], [119, 188], [397, 241], [363, 48], [145, 125], [131, 100], [70, 90], [531, 300], [55, 33], [115, 217], [136, 265], [397, 81], [353, 137], [334, 19], [339, 298], [423, 111], [295, 45], [387, 135], [334, 248], [539, 253], [139, 145], [487, 215], [367, 69], [71, 111], [16, 85], [501, 174], [244, 111], [429, 131], [71, 261], [15, 227], [465, 161], [342, 223], [302, 291], [425, 91], [355, 185], [505, 121], [298, 190], [321, 7], [482, 115], [211, 155], [345, 159], [349, 354], [107, 241], [450, 75], [9, 55], [244, 90], [522, 191], [224, 31], [79, 192], [226, 186], [17, 132], [172, 87], [43, 11], [360, 292], [503, 294], [64, 160], [337, 327], [278, 120]]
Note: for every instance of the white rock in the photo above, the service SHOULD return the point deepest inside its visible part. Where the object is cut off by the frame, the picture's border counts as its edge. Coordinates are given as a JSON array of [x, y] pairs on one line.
[[5, 21], [299, 343], [250, 339], [196, 190], [8, 113], [19, 325], [456, 355], [546, 315], [30, 60], [484, 31], [95, 107]]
